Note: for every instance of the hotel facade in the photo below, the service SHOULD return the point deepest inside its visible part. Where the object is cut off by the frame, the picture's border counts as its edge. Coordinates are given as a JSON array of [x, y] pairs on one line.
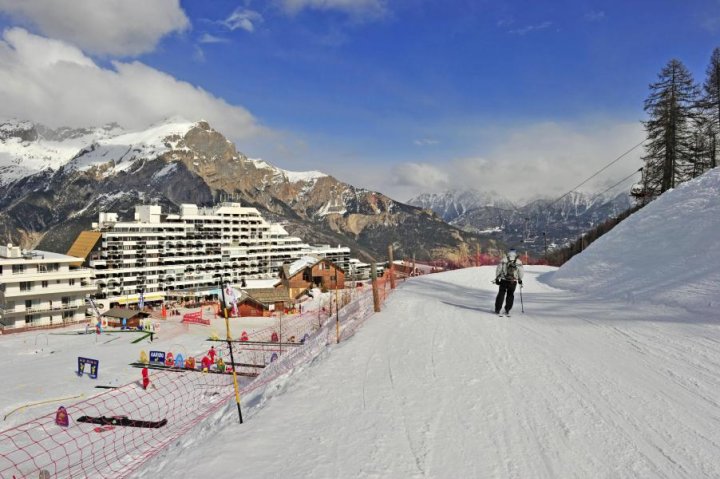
[[187, 254]]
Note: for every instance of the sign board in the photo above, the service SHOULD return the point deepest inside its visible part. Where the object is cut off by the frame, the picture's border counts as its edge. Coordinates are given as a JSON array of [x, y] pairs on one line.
[[157, 357], [94, 366]]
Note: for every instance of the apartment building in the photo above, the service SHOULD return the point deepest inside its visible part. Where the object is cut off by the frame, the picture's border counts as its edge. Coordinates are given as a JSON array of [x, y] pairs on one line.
[[186, 253], [39, 288]]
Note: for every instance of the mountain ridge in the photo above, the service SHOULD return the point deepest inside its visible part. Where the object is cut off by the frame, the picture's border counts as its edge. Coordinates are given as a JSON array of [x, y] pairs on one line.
[[178, 162]]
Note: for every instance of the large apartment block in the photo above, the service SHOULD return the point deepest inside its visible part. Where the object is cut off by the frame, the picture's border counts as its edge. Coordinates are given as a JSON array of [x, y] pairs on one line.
[[39, 288], [189, 252]]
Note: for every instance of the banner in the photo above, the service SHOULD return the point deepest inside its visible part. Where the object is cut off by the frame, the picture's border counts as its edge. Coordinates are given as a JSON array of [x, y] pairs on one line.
[[195, 318], [231, 299]]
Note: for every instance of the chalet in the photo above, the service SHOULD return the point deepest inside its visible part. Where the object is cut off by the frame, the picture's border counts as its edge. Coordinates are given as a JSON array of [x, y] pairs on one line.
[[133, 317], [310, 272], [263, 301]]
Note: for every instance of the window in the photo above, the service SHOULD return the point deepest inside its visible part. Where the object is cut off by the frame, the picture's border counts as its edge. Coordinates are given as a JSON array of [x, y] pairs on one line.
[[44, 284], [67, 315], [0, 269], [30, 318], [71, 282], [26, 285], [28, 303], [18, 268]]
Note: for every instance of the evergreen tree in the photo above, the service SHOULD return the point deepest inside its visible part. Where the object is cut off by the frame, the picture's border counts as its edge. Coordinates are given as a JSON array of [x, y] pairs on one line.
[[711, 104], [672, 108]]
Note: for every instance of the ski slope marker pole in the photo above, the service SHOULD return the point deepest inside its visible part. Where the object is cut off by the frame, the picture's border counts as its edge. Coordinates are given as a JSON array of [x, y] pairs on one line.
[[229, 341]]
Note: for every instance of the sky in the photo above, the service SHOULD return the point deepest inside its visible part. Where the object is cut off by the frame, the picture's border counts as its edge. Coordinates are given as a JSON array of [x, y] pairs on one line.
[[608, 367], [522, 98]]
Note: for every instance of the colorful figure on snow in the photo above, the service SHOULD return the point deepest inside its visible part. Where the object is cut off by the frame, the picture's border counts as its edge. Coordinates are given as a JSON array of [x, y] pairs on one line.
[[190, 363], [145, 378]]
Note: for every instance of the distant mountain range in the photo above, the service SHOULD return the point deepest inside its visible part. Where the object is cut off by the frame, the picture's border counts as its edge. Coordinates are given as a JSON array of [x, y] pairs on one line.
[[53, 183], [532, 226]]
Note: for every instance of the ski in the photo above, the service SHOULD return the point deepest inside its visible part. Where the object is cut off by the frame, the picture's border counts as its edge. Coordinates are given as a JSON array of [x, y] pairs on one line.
[[122, 421]]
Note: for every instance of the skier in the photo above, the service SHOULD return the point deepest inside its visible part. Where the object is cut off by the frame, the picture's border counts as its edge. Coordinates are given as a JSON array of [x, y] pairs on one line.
[[507, 275], [211, 353]]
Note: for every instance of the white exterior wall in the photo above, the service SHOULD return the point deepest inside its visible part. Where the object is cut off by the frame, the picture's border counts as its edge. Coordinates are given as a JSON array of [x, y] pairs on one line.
[[42, 289], [189, 252]]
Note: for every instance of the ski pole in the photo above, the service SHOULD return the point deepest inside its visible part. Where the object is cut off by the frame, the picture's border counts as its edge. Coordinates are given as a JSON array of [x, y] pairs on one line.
[[522, 306]]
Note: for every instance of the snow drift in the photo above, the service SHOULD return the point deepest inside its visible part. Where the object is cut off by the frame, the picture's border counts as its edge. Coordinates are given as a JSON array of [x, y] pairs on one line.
[[666, 253]]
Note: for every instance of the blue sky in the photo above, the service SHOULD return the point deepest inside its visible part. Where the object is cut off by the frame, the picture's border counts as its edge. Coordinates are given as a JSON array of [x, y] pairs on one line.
[[401, 96]]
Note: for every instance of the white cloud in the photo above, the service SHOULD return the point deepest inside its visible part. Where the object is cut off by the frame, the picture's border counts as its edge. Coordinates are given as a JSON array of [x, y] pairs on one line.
[[368, 8], [425, 142], [422, 176], [531, 28], [545, 159], [208, 38], [54, 83], [595, 16], [110, 27], [243, 19]]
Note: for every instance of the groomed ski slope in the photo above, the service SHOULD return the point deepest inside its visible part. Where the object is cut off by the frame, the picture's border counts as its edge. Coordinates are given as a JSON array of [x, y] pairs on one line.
[[588, 383]]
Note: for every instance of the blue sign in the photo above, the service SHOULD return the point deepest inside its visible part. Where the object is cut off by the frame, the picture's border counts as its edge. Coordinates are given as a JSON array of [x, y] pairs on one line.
[[179, 361], [157, 357], [94, 366]]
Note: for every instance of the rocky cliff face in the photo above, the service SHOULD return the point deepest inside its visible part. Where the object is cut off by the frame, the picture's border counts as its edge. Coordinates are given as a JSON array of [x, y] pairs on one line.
[[56, 182]]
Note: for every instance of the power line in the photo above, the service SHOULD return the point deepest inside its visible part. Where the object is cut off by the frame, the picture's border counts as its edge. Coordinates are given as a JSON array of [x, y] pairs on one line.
[[616, 184], [598, 172]]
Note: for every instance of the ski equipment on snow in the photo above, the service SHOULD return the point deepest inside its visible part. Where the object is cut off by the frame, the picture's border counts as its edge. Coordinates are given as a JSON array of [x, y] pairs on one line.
[[122, 421]]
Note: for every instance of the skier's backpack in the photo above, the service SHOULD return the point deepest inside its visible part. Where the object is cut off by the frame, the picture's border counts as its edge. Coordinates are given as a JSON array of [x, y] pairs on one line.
[[511, 270]]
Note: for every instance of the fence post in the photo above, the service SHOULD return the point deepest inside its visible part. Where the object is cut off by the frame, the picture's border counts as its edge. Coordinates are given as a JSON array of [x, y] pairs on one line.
[[375, 292], [392, 267]]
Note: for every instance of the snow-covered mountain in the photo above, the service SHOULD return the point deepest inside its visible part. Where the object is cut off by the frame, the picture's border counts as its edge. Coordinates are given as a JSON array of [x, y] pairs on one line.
[[454, 204], [531, 226], [55, 182]]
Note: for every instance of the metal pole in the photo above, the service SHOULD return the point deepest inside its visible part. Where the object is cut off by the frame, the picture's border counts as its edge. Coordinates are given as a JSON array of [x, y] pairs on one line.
[[232, 359]]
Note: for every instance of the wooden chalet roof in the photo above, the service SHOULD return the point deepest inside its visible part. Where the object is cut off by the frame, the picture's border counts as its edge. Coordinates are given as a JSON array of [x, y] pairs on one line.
[[269, 295], [124, 313], [83, 245], [292, 269]]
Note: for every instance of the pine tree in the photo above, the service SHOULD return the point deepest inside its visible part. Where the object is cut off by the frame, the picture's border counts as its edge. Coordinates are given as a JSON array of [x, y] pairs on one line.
[[672, 108], [711, 105]]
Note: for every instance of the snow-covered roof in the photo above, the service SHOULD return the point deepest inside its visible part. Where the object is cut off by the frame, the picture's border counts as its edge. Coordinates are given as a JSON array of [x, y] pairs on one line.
[[302, 263]]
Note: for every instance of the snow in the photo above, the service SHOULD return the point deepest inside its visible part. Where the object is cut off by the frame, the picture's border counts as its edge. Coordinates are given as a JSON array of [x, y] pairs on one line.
[[291, 176], [128, 147], [300, 264], [668, 252], [608, 367]]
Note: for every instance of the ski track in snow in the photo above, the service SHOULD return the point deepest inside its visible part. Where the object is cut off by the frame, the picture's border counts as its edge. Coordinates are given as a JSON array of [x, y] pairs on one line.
[[437, 386]]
